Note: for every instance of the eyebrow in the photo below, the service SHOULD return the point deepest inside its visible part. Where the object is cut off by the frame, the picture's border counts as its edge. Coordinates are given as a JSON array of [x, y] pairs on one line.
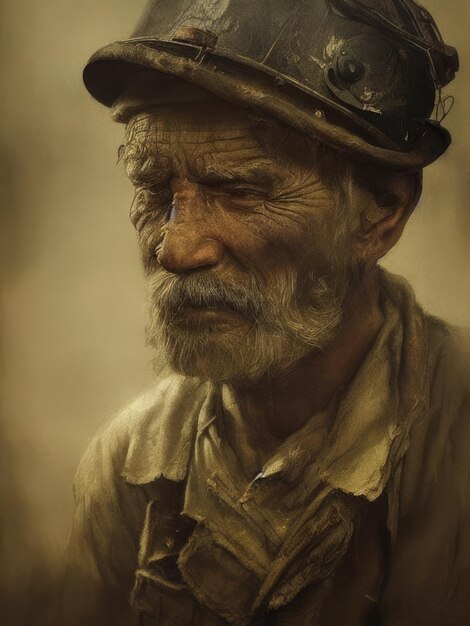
[[258, 172]]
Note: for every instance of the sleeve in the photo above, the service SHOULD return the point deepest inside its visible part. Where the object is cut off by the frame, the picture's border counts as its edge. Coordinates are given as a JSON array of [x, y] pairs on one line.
[[102, 553]]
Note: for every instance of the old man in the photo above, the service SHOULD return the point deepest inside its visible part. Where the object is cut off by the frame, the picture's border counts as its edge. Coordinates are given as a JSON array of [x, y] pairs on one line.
[[303, 457]]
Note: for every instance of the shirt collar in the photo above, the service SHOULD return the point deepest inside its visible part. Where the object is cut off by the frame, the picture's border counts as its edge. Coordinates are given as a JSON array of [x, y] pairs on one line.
[[356, 454], [371, 432], [162, 426]]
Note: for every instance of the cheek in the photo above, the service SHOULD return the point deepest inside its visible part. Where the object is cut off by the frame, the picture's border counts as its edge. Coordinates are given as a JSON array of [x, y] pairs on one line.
[[263, 237], [304, 234]]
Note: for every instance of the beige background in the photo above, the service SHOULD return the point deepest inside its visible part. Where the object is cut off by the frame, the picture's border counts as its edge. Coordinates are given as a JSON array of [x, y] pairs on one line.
[[71, 298]]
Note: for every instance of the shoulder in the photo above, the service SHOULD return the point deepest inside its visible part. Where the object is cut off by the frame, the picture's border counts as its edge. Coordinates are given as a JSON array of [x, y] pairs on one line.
[[150, 438], [437, 355], [448, 368], [447, 374], [436, 466]]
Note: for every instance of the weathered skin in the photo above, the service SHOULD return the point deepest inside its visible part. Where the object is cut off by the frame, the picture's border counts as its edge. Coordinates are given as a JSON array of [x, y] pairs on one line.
[[223, 200], [234, 203]]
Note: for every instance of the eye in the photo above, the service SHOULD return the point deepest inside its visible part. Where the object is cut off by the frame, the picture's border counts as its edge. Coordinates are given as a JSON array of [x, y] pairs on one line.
[[151, 204], [158, 196], [245, 192], [157, 190]]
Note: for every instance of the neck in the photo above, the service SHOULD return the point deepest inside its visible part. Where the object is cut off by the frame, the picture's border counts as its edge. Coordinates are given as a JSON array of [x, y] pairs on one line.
[[276, 407]]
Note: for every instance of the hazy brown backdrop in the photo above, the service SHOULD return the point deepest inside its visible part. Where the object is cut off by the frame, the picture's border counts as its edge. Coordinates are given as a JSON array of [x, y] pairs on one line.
[[71, 303]]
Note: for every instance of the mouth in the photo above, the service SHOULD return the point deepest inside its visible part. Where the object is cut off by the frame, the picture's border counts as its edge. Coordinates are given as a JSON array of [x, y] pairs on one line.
[[210, 311], [214, 316]]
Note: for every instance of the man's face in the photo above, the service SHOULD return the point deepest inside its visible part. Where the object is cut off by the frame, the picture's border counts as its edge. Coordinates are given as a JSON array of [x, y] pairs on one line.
[[241, 240]]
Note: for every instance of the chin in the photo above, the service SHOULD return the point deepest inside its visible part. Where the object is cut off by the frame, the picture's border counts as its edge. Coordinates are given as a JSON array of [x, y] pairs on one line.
[[229, 356], [217, 355]]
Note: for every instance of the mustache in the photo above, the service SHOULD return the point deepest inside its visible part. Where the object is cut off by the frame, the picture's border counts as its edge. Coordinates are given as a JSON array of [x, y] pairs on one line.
[[172, 294]]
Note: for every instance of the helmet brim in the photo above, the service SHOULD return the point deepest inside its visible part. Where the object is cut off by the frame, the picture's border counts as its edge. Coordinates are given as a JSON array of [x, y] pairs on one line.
[[243, 84]]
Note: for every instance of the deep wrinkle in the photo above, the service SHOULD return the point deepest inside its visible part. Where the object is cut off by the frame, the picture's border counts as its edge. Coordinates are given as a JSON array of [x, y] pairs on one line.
[[283, 189]]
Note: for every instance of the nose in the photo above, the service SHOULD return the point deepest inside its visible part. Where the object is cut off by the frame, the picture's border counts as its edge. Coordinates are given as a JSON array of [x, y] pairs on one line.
[[189, 242]]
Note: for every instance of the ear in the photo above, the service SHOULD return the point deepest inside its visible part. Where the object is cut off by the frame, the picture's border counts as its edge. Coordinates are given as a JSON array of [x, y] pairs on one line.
[[384, 217]]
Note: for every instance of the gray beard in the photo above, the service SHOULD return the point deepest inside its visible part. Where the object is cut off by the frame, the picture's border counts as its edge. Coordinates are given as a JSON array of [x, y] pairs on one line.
[[277, 327]]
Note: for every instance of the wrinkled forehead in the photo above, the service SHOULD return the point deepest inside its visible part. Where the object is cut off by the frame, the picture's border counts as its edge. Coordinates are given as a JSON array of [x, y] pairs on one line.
[[192, 125], [196, 141], [214, 138]]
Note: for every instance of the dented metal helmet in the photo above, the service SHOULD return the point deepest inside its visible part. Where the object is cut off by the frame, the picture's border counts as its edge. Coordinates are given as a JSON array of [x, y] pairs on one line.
[[359, 75]]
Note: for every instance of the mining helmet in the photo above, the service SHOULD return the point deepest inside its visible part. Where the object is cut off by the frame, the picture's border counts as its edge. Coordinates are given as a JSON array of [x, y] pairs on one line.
[[361, 76]]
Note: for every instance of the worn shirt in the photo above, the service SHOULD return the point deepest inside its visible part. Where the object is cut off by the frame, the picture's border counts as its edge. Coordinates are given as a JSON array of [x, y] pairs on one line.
[[366, 524]]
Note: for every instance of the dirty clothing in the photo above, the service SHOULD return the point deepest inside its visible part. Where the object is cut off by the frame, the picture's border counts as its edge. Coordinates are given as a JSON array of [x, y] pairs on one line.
[[359, 518]]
